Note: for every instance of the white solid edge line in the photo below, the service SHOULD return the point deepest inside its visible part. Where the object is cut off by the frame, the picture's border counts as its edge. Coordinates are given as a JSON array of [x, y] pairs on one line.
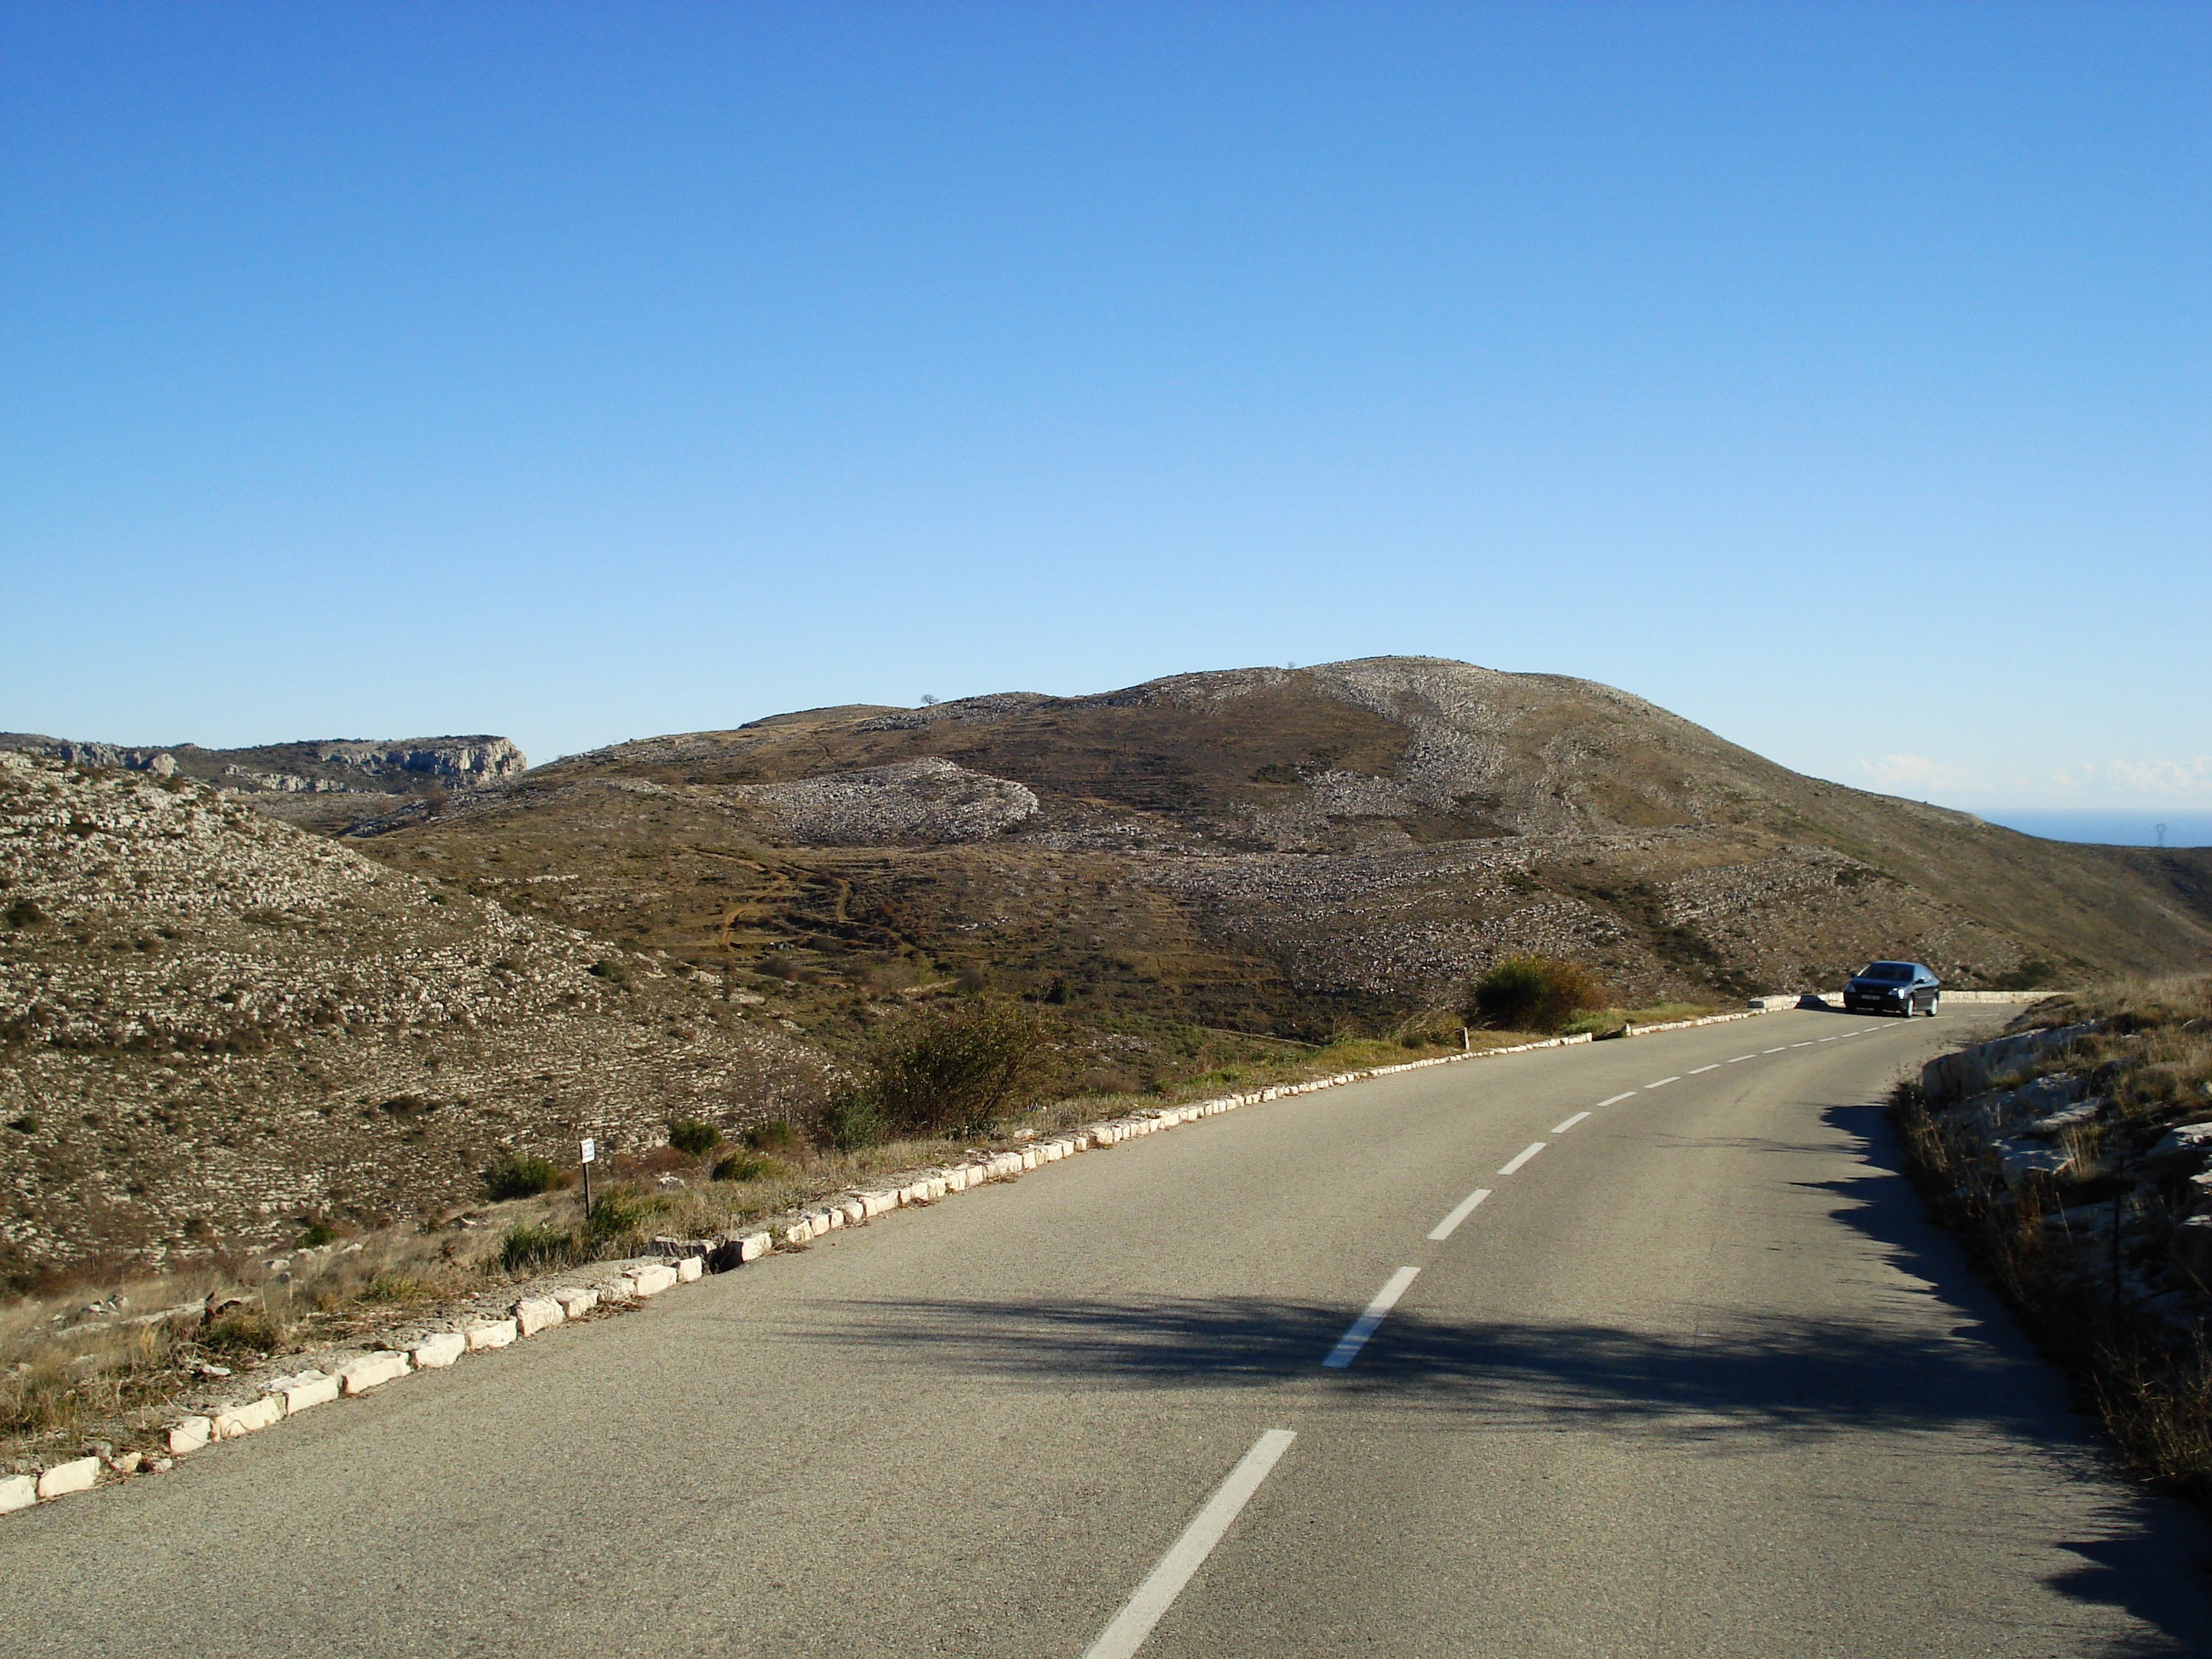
[[1521, 1156], [1465, 1208], [1663, 1082], [1122, 1638], [1363, 1326], [1696, 1070], [1561, 1128], [1617, 1099]]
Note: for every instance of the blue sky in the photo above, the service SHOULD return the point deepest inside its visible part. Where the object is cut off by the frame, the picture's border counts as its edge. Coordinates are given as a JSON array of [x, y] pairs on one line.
[[1834, 376]]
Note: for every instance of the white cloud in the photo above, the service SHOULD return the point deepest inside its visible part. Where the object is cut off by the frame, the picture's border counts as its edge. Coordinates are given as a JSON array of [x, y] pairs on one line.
[[1915, 773], [2112, 778]]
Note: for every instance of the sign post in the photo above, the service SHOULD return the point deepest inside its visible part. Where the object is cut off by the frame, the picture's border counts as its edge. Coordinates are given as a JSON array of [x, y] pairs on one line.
[[591, 1156]]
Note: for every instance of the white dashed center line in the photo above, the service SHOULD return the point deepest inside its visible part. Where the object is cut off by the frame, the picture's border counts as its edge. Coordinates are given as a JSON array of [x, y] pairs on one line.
[[1663, 1082], [1523, 1156], [1827, 1039], [1363, 1326], [1694, 1070], [1617, 1099], [1806, 1044], [1561, 1128], [1770, 1051], [1740, 1058], [1122, 1638], [1465, 1208]]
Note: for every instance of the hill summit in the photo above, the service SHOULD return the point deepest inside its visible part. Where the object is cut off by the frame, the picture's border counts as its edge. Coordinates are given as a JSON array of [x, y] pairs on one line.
[[1280, 848]]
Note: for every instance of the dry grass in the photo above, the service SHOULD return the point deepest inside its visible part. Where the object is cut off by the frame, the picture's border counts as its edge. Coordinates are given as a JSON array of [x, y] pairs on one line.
[[1657, 1013]]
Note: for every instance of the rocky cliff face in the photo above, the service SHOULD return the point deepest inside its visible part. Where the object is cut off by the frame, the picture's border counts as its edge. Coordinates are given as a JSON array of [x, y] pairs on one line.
[[328, 766], [214, 1026]]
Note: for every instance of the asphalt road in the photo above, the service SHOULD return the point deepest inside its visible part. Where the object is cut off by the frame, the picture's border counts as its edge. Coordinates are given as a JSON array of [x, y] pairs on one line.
[[1694, 1378]]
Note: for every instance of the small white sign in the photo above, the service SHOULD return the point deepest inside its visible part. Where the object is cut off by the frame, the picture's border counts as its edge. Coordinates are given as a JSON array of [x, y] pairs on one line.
[[591, 1152]]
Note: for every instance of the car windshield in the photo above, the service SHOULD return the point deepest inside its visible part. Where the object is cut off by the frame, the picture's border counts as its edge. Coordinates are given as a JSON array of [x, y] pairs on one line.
[[1887, 971]]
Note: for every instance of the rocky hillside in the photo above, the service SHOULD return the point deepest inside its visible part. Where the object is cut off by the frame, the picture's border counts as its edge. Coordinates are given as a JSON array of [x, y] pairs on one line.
[[1283, 850], [298, 782], [216, 1029]]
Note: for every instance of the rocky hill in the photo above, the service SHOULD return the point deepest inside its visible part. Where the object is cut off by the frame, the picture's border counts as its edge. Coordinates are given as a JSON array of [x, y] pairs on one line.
[[216, 1029], [297, 781], [1281, 850]]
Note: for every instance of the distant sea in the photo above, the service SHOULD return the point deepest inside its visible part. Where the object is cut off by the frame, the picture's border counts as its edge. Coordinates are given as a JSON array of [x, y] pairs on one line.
[[2113, 828]]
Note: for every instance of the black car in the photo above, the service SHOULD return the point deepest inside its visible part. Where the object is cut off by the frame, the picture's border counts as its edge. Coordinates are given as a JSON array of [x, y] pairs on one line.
[[1893, 987]]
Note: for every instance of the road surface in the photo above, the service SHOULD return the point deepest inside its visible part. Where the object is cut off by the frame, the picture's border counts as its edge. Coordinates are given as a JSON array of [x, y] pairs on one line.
[[1694, 1378]]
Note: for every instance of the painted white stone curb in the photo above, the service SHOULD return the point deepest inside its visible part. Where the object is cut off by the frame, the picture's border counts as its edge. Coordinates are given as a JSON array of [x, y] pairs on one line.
[[76, 1475], [434, 1353], [18, 1491], [534, 1314], [373, 1371], [300, 1393], [236, 1420]]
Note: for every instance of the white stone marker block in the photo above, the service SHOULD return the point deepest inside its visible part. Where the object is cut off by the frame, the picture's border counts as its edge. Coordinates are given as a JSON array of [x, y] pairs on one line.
[[534, 1313], [689, 1269], [190, 1435], [853, 1211], [622, 1288], [575, 1301], [17, 1491], [491, 1333], [753, 1246], [76, 1475], [301, 1393], [372, 1370], [797, 1233], [232, 1421], [434, 1353], [652, 1281], [878, 1203], [935, 1188]]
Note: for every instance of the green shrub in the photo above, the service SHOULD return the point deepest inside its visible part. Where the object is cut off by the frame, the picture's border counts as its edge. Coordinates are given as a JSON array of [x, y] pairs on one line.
[[747, 1166], [517, 1175], [616, 1215], [853, 1120], [1531, 993], [689, 1134], [530, 1247], [774, 1136], [314, 1234], [243, 1330], [953, 1067]]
